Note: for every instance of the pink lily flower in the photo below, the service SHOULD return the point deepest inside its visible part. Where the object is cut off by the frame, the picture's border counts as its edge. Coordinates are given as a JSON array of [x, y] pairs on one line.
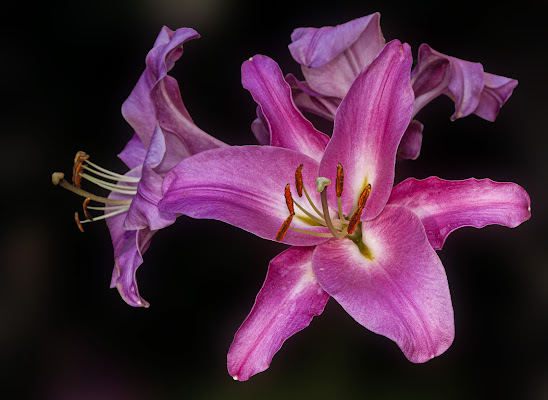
[[354, 236], [331, 57]]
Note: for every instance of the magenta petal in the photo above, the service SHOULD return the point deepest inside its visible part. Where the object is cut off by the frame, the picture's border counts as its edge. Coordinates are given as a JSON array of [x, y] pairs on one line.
[[288, 127], [496, 92], [369, 125], [332, 56], [472, 89], [129, 247], [444, 206], [138, 109], [175, 121], [310, 101], [259, 127], [398, 289], [243, 186], [134, 153], [143, 211], [287, 302], [411, 141]]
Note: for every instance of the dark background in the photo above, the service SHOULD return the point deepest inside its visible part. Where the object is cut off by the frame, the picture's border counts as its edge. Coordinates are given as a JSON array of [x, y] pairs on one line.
[[66, 69]]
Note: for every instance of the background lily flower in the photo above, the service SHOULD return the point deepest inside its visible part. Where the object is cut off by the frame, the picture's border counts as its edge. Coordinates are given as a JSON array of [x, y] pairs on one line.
[[164, 135], [331, 58], [366, 244]]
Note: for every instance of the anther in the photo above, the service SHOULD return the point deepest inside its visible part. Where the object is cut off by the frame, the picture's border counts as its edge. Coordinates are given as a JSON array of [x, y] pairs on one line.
[[79, 159], [355, 219], [78, 223], [85, 208], [299, 180], [340, 179], [284, 228], [289, 199]]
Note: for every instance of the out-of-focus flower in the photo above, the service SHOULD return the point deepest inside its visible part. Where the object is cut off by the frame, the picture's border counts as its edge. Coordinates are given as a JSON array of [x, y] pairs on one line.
[[164, 135]]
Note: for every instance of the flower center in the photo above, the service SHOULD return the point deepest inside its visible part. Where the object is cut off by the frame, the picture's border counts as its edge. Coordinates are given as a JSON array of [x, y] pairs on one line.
[[102, 177], [340, 227]]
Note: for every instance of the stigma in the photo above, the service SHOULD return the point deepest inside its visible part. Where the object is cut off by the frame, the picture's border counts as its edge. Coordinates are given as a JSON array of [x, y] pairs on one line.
[[84, 169], [343, 226]]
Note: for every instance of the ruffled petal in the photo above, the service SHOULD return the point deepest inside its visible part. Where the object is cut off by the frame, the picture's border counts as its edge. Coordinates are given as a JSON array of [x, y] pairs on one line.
[[259, 127], [496, 92], [288, 127], [129, 247], [243, 186], [411, 141], [332, 56], [394, 286], [287, 302], [308, 100], [472, 90], [134, 153], [173, 118], [369, 125], [138, 109], [143, 212], [444, 206]]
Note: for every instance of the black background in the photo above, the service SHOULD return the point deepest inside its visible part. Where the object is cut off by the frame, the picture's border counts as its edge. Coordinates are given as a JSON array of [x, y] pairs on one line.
[[66, 69]]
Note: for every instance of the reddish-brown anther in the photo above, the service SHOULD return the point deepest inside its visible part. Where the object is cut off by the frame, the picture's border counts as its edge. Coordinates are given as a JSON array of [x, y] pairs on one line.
[[284, 228], [289, 199], [340, 179], [299, 180], [79, 159], [85, 208], [78, 223], [357, 214]]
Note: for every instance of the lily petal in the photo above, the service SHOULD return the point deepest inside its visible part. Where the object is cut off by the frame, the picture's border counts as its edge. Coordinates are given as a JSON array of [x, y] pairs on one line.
[[287, 302], [129, 247], [243, 186], [465, 82], [395, 286], [444, 206], [134, 153], [369, 125], [332, 56], [411, 141], [138, 109], [496, 92], [143, 211], [288, 127]]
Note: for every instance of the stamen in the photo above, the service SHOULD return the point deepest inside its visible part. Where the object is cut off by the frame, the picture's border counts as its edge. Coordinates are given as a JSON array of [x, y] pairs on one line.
[[284, 228], [85, 207], [120, 178], [339, 188], [113, 174], [111, 186], [78, 223], [310, 215], [320, 234], [340, 179], [355, 219], [289, 199], [79, 159], [299, 180]]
